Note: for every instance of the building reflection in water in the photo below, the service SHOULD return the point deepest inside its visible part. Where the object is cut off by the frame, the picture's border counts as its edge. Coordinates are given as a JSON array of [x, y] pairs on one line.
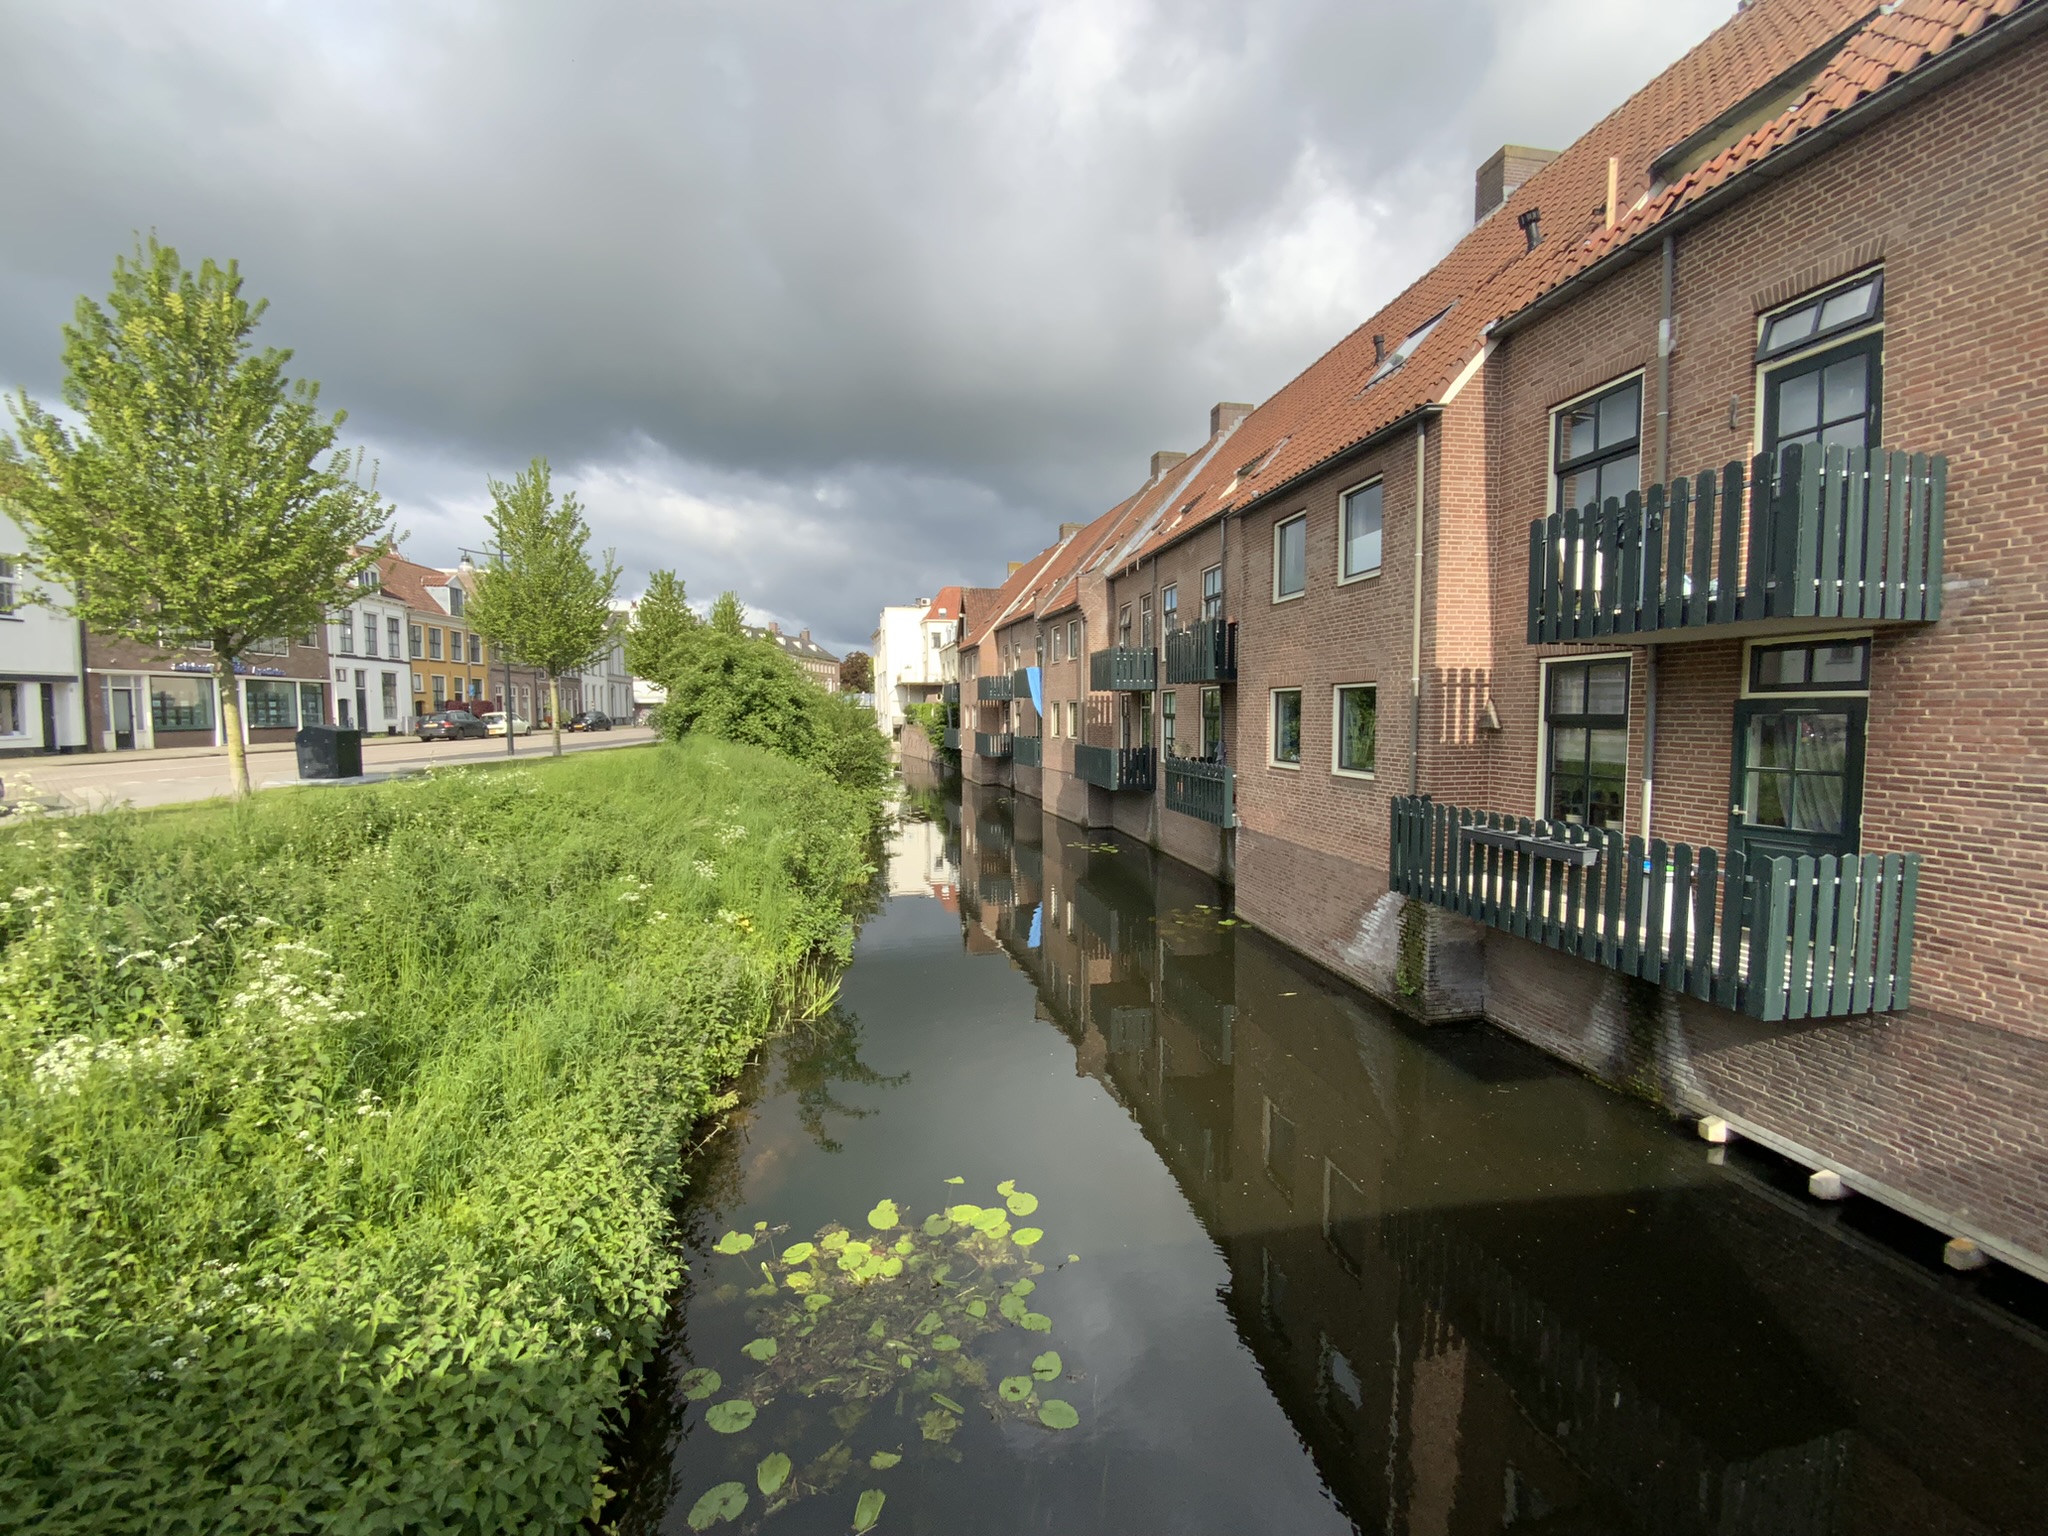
[[1488, 1293]]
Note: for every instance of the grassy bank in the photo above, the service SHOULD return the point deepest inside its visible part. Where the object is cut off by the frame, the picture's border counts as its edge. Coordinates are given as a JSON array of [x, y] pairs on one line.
[[338, 1132]]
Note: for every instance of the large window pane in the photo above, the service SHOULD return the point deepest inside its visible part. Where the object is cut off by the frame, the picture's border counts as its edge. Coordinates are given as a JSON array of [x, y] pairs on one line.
[[272, 704], [1619, 414], [181, 703], [1357, 729], [1290, 558], [1817, 803], [1363, 509], [1586, 705], [1287, 726], [1607, 688], [1799, 403]]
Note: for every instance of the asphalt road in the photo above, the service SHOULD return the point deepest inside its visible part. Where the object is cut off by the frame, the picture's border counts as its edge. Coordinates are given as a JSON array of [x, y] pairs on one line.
[[97, 780]]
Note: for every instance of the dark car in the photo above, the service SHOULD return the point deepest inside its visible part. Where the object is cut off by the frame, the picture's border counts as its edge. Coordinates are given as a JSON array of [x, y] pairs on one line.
[[591, 720], [449, 725]]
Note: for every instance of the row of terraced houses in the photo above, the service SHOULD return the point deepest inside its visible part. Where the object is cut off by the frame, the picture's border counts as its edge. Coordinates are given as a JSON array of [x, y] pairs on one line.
[[1623, 636]]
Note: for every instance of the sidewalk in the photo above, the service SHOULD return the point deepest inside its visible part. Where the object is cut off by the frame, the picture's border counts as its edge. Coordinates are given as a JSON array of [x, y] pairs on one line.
[[254, 749]]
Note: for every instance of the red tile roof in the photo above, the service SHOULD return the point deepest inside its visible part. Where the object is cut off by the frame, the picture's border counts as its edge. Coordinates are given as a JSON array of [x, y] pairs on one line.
[[1891, 43], [945, 606]]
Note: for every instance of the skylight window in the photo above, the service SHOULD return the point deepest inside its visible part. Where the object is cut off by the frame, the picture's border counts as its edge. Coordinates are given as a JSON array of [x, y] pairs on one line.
[[1406, 350]]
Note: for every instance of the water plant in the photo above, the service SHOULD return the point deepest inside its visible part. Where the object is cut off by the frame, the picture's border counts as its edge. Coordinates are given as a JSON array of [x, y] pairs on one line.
[[878, 1341]]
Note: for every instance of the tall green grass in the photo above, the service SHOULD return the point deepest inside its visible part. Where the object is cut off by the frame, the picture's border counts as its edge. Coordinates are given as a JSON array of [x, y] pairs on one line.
[[338, 1132]]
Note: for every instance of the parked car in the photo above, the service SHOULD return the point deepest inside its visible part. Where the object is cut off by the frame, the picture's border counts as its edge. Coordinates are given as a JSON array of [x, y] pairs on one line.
[[449, 725], [494, 722], [591, 720]]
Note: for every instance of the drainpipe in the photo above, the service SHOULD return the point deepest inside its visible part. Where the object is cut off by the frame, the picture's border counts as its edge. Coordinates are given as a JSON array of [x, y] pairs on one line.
[[1666, 339], [1415, 649]]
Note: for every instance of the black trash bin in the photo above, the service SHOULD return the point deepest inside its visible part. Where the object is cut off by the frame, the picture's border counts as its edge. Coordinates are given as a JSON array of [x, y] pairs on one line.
[[329, 752]]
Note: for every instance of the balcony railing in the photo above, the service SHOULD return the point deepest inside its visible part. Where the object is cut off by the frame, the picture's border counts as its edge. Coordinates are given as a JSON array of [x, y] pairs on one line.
[[994, 744], [1027, 751], [952, 739], [1116, 768], [1205, 790], [994, 690], [1774, 938], [949, 693], [1851, 535], [1205, 652], [1124, 669]]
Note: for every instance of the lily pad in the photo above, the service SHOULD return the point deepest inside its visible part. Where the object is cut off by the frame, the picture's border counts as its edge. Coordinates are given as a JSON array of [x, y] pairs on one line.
[[882, 1461], [1054, 1414], [798, 1253], [1022, 1203], [938, 1224], [1023, 1287], [1073, 1258], [734, 1242], [977, 1309], [992, 1218], [1006, 1186], [1013, 1308], [817, 1302], [956, 1179], [1014, 1389], [800, 1280], [759, 1349], [889, 1268], [868, 1510], [731, 1416], [963, 1215], [937, 1425], [1047, 1366], [699, 1384], [728, 1501], [832, 1242], [1024, 1237], [884, 1216], [945, 1343], [928, 1324], [906, 1361], [772, 1473], [1037, 1322]]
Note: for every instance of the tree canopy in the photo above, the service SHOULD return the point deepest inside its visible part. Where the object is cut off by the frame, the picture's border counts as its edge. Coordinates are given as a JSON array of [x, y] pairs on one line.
[[663, 628], [543, 600], [200, 500], [857, 672]]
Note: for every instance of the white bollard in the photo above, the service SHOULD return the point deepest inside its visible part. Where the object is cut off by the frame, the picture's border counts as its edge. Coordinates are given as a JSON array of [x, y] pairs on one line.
[[1716, 1130], [1963, 1254], [1826, 1184]]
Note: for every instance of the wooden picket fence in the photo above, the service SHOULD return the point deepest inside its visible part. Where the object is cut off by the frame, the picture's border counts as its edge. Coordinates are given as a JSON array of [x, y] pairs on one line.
[[1773, 938], [1849, 534]]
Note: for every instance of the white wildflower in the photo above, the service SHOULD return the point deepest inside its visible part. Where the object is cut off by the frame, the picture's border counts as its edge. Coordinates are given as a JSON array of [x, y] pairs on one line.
[[706, 870]]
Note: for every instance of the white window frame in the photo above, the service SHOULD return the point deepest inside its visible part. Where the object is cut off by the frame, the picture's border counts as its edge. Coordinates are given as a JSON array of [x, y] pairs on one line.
[[1337, 731], [1641, 378], [1343, 540], [1273, 760], [1278, 529]]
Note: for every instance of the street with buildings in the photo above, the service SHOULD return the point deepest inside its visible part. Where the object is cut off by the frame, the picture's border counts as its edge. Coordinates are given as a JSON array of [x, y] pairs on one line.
[[1625, 636]]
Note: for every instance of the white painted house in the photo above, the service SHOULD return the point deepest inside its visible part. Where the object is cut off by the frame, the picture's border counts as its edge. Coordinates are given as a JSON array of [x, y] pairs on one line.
[[908, 647], [42, 660], [367, 643]]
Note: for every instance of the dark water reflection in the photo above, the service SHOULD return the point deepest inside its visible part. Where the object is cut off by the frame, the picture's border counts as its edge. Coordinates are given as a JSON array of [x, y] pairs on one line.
[[1336, 1273]]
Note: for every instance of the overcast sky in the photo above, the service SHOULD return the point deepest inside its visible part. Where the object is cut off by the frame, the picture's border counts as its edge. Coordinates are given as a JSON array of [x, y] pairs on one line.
[[829, 303]]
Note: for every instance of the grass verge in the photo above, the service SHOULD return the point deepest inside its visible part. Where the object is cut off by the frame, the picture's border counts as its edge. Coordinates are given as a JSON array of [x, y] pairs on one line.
[[339, 1131]]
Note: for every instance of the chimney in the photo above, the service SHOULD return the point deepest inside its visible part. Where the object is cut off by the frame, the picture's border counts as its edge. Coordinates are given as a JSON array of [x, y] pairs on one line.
[[1379, 349], [1068, 529], [805, 636], [1225, 414], [1164, 460], [1506, 169], [774, 628]]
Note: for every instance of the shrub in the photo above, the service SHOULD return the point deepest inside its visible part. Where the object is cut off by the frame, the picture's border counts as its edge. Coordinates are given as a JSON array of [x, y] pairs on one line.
[[338, 1132]]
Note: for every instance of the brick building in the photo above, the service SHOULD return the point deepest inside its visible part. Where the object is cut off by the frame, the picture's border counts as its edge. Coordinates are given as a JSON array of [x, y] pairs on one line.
[[1469, 555]]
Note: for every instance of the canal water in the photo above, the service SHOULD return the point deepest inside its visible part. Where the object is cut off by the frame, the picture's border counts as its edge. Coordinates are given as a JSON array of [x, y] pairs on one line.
[[1089, 1209]]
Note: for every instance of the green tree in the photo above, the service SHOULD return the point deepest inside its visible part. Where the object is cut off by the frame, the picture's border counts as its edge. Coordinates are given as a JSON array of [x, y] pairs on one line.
[[663, 627], [543, 600], [857, 672], [200, 499], [729, 615]]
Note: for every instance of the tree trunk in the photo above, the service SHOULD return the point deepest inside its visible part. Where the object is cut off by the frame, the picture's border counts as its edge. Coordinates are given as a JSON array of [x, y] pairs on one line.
[[231, 723], [555, 709]]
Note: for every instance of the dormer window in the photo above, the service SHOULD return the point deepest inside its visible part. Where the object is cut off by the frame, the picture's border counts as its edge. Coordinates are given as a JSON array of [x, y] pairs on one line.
[[455, 596]]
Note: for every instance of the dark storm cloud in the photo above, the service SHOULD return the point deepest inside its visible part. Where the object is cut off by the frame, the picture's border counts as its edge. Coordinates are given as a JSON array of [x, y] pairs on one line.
[[832, 303]]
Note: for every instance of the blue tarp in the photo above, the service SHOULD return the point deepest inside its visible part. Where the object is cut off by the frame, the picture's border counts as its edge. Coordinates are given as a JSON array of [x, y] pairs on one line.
[[1036, 677], [1037, 913]]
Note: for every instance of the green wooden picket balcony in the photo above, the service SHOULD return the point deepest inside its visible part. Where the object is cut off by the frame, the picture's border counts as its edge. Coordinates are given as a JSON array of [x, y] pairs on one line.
[[994, 690], [949, 693], [992, 744], [1124, 669], [1116, 768], [1205, 652], [1774, 938], [1205, 790], [1027, 751], [1848, 536]]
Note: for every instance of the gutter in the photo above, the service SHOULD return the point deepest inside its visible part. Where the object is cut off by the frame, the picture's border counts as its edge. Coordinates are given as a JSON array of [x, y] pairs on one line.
[[1958, 59]]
